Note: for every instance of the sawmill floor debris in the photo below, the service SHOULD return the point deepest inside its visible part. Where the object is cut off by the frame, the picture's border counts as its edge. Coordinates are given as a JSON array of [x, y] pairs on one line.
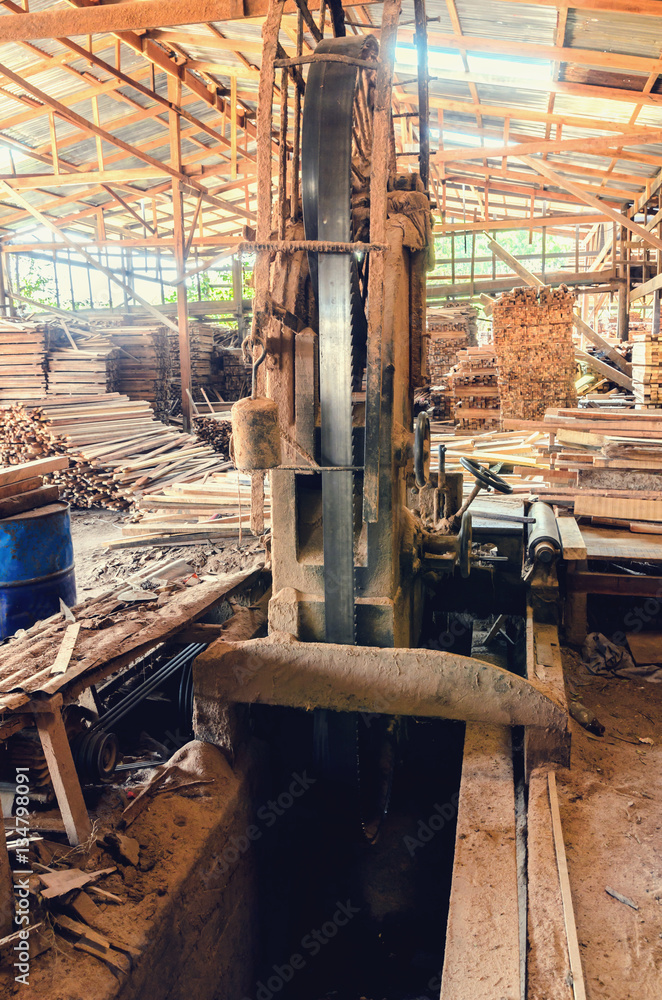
[[611, 811], [157, 913], [97, 567]]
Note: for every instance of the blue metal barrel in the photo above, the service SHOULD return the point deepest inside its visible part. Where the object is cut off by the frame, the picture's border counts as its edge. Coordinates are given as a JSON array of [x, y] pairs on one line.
[[36, 566]]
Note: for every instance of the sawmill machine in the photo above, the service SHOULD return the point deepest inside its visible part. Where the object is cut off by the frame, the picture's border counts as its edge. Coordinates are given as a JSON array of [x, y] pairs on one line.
[[364, 539]]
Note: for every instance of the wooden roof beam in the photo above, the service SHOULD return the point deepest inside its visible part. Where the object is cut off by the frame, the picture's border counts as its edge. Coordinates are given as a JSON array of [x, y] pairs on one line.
[[589, 199], [552, 53], [134, 15], [92, 128], [524, 114], [595, 146]]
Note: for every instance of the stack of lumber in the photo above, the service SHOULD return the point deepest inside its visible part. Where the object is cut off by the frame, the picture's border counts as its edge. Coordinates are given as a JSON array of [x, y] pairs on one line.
[[638, 325], [647, 372], [144, 364], [216, 506], [117, 448], [535, 351], [215, 429], [513, 454], [84, 371], [592, 448], [23, 347], [234, 375], [202, 369], [450, 331], [475, 389], [22, 486]]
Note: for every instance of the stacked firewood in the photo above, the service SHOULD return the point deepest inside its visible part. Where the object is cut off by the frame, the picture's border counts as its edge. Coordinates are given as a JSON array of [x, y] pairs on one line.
[[215, 429], [475, 390], [23, 347], [117, 448], [535, 352]]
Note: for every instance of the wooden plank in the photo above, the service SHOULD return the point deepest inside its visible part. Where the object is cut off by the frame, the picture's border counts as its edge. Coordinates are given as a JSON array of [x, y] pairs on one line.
[[613, 374], [630, 509], [544, 666], [548, 959], [578, 986], [28, 501], [23, 486], [66, 649], [484, 896], [63, 774], [27, 470], [571, 538], [619, 546]]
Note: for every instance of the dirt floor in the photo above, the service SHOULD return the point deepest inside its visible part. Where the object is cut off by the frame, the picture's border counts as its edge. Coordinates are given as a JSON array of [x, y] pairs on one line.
[[98, 568], [611, 810]]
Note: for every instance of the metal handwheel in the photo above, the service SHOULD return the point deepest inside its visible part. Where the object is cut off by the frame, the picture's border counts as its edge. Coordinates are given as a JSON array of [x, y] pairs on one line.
[[485, 477]]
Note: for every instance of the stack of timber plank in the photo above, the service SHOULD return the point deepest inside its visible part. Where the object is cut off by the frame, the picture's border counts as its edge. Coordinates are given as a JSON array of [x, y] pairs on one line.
[[116, 446], [514, 453], [535, 351], [144, 364], [216, 506], [450, 331], [596, 450], [202, 368], [23, 348], [475, 389], [647, 372], [22, 486], [233, 373], [83, 371]]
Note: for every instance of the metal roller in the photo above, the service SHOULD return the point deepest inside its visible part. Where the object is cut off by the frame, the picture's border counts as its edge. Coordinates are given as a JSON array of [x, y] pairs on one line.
[[544, 540]]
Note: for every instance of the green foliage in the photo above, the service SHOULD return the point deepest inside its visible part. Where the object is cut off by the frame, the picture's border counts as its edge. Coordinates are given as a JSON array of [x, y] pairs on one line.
[[37, 286], [520, 243]]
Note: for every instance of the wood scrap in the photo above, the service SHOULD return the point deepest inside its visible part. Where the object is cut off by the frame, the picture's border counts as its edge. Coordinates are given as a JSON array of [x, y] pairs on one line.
[[59, 883], [66, 649]]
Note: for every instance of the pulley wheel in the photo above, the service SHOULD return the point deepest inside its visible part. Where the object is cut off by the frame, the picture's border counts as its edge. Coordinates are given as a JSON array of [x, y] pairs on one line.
[[96, 754]]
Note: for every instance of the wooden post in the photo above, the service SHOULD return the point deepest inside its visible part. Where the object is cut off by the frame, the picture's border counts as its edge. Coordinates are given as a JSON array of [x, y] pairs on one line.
[[656, 313], [54, 743], [623, 293], [174, 95]]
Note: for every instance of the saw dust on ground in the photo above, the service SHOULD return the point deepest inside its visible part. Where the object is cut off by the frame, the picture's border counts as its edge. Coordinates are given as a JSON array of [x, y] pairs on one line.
[[98, 567], [611, 809]]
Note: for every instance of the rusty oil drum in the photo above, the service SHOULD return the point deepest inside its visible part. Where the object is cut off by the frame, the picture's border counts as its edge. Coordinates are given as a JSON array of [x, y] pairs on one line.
[[36, 566]]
